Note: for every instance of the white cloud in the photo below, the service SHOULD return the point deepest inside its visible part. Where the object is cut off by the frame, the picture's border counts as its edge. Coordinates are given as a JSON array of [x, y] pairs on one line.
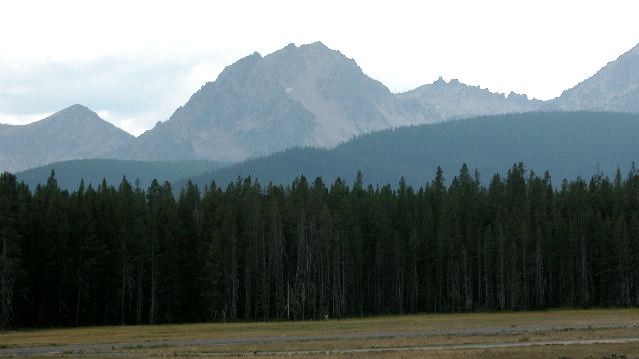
[[21, 119], [135, 125], [139, 60], [133, 94]]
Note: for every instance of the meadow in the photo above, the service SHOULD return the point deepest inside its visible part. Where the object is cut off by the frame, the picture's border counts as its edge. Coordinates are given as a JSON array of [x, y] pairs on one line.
[[596, 333]]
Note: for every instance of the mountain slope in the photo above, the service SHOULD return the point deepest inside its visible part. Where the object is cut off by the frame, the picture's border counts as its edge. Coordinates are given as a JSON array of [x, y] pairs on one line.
[[302, 96], [307, 95], [613, 88], [73, 133], [242, 113], [344, 101], [70, 173], [568, 144]]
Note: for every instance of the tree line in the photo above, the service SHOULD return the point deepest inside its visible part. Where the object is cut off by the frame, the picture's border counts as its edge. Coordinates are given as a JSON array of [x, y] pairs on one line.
[[128, 255]]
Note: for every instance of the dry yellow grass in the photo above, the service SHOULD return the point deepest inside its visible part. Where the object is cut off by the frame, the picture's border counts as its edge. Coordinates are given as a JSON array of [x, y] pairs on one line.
[[631, 351], [397, 342], [536, 326]]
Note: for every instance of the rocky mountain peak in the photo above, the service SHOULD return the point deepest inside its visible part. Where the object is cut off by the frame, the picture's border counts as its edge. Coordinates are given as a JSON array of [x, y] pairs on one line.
[[76, 108], [318, 44], [455, 99], [440, 82], [72, 113], [314, 56], [72, 133], [242, 68], [615, 87], [344, 101]]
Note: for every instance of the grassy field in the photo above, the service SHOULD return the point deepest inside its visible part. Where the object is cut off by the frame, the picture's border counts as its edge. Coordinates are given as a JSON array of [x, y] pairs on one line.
[[409, 336]]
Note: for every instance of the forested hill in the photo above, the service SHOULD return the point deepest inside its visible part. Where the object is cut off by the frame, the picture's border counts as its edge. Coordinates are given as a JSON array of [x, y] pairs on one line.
[[70, 173], [116, 255], [568, 144]]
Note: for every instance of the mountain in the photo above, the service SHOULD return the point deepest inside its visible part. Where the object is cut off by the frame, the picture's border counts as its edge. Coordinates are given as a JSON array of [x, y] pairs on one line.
[[613, 88], [453, 100], [568, 144], [73, 133], [343, 100], [306, 95], [93, 171], [311, 95]]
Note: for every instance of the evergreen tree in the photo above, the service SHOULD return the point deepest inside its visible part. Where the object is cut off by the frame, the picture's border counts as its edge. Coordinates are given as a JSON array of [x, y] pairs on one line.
[[309, 250]]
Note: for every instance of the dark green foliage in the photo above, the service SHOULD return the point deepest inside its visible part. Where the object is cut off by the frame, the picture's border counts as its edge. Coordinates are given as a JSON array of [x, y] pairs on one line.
[[567, 144], [14, 204], [309, 250], [70, 173]]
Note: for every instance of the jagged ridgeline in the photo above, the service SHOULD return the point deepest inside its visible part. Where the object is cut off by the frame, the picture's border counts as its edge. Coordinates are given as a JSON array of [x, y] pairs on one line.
[[312, 249]]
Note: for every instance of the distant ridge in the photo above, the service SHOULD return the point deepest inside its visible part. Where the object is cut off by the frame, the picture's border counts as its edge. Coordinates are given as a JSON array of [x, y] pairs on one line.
[[454, 100], [567, 144], [92, 172], [73, 133]]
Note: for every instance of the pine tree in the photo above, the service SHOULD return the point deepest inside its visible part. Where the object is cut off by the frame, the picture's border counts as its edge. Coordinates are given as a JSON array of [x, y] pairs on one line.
[[10, 252]]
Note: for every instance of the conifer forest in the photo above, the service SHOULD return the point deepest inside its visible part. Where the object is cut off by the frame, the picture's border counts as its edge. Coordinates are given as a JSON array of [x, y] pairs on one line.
[[121, 254]]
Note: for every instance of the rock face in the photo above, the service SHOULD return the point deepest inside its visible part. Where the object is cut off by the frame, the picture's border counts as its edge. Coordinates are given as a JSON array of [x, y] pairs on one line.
[[298, 96], [73, 133], [302, 96], [454, 100], [613, 88], [245, 112], [343, 100]]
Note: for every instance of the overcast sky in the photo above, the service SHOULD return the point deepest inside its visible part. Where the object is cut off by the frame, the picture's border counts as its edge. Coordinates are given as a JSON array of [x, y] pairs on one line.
[[135, 62]]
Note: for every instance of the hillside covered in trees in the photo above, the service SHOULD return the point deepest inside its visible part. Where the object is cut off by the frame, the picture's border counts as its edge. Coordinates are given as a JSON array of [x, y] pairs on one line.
[[567, 144], [125, 254], [69, 174]]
